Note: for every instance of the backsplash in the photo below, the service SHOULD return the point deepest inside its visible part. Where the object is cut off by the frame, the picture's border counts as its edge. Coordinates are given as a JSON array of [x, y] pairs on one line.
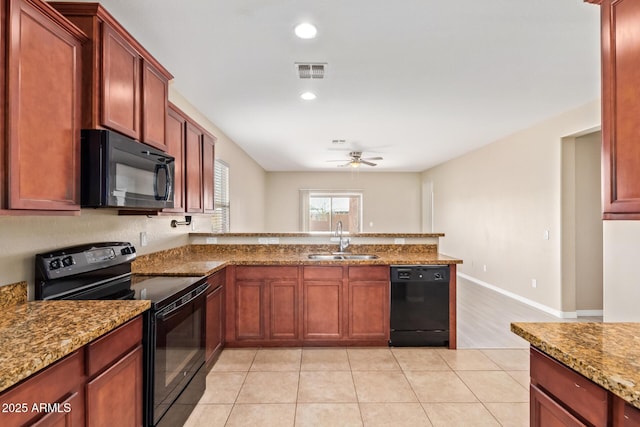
[[13, 294], [23, 237]]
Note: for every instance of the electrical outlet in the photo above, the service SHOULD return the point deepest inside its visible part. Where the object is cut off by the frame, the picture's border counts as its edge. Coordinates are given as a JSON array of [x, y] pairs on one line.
[[484, 268], [211, 240], [274, 240], [143, 238], [263, 240], [534, 283], [399, 241], [545, 235]]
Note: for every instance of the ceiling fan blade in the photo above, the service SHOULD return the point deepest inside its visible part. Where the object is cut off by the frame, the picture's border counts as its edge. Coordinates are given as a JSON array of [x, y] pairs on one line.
[[367, 163], [372, 158], [341, 160]]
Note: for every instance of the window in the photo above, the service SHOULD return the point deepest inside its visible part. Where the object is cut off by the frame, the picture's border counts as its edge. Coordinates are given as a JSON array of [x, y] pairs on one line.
[[220, 219], [321, 210]]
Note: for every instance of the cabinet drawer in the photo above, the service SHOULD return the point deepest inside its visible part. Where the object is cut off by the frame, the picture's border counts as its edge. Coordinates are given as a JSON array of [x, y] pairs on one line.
[[369, 273], [578, 394], [103, 351], [60, 382], [322, 273], [266, 273]]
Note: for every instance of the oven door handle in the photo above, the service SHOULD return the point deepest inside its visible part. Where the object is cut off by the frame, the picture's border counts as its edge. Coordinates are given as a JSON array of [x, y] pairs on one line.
[[164, 314]]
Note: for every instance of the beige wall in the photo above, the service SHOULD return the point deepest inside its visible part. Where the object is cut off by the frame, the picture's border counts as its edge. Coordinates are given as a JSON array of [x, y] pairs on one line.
[[621, 263], [23, 237], [246, 177], [391, 201], [494, 205]]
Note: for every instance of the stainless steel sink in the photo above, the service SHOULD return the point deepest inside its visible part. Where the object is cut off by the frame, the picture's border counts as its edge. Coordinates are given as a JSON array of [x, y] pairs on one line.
[[340, 257]]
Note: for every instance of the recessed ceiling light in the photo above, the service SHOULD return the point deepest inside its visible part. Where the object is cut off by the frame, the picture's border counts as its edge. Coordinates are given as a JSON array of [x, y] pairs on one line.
[[308, 96], [306, 30]]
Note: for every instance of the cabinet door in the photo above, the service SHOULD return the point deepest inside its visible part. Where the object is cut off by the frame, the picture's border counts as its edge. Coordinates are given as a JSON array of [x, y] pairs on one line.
[[208, 176], [368, 303], [214, 325], [120, 84], [61, 382], [43, 99], [64, 417], [114, 398], [154, 106], [249, 310], [369, 310], [322, 303], [621, 108], [176, 127], [283, 309], [545, 412], [193, 166]]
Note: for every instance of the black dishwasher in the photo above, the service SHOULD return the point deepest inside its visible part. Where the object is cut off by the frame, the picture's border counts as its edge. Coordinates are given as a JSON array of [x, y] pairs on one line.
[[419, 305]]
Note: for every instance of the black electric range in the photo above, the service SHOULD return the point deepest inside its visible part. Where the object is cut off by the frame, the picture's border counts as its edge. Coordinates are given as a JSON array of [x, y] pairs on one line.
[[174, 327]]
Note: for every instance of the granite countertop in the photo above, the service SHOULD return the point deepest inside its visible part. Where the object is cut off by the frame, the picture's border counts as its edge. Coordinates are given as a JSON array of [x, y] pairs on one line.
[[199, 261], [606, 353], [35, 334]]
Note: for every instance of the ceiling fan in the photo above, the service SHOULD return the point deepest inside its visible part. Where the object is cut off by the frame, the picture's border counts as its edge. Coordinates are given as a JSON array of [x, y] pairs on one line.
[[357, 160]]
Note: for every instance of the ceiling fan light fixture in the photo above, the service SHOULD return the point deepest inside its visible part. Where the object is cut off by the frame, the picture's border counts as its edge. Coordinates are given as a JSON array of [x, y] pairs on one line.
[[355, 165], [308, 96], [306, 30]]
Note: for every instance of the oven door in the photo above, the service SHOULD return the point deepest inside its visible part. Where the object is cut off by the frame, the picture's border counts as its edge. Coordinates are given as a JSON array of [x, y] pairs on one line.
[[179, 349]]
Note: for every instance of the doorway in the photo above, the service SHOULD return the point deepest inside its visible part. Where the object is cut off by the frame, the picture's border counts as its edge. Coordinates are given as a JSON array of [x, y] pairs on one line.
[[582, 259]]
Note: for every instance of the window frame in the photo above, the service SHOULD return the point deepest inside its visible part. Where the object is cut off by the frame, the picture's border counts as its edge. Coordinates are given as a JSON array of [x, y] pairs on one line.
[[305, 195]]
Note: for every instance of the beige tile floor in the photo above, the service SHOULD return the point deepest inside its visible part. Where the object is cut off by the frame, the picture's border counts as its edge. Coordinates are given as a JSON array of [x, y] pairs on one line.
[[366, 387]]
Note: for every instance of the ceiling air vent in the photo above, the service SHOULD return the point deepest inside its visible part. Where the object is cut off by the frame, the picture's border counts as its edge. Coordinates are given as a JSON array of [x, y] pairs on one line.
[[311, 70]]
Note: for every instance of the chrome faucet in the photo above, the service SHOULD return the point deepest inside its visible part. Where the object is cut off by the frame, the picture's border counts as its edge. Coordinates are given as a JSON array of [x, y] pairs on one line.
[[344, 243]]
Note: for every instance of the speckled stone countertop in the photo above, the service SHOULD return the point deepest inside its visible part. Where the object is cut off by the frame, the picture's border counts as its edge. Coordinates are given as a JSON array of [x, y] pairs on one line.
[[296, 234], [36, 334], [606, 353], [203, 260]]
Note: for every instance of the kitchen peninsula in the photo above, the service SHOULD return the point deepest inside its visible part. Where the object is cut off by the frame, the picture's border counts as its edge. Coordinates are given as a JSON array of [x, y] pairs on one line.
[[584, 373], [276, 295]]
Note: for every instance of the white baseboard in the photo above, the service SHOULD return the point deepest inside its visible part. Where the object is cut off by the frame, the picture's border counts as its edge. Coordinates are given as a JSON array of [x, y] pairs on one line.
[[590, 313], [557, 313]]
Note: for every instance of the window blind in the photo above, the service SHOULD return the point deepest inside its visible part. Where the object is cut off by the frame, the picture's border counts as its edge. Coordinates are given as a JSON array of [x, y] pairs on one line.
[[221, 215]]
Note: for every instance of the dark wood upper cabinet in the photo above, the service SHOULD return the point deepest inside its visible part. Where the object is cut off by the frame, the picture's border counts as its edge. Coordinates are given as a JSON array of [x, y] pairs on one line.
[[193, 148], [176, 128], [40, 145], [124, 87], [193, 166], [620, 32]]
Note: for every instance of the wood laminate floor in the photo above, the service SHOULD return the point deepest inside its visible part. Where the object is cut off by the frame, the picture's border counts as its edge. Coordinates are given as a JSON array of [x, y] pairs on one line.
[[483, 383]]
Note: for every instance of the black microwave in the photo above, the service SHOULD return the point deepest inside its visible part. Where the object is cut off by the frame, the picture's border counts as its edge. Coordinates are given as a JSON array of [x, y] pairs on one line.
[[119, 172]]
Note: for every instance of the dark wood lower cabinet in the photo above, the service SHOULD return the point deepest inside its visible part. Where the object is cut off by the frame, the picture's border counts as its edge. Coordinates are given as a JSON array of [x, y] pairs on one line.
[[308, 305], [323, 301], [214, 318], [548, 413], [264, 304], [114, 398], [368, 303], [100, 384], [561, 397]]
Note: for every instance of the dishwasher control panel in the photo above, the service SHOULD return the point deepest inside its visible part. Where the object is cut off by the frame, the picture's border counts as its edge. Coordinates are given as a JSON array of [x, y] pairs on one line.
[[420, 273]]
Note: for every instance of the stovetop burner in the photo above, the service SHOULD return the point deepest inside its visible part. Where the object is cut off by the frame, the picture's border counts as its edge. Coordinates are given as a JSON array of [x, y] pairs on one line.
[[103, 271]]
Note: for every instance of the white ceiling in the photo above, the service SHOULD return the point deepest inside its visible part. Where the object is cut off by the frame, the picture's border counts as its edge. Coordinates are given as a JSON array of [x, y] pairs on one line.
[[417, 82]]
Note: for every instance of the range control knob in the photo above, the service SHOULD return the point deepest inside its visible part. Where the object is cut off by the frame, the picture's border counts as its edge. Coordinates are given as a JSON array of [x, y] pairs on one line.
[[67, 261], [54, 264]]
